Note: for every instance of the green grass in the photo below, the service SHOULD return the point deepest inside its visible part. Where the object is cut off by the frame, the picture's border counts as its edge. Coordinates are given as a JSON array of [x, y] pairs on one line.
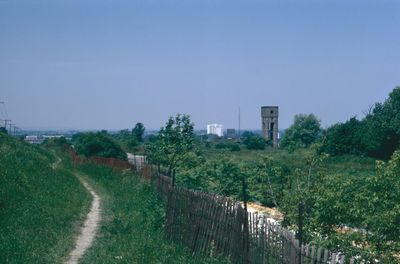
[[40, 207], [132, 228]]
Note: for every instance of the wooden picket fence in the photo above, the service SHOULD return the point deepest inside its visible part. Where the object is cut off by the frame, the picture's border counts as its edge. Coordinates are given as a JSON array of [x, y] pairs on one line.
[[218, 226]]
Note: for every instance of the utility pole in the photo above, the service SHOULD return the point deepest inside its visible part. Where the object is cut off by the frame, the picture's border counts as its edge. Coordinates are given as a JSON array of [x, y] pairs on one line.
[[10, 125], [1, 110], [5, 123], [15, 131]]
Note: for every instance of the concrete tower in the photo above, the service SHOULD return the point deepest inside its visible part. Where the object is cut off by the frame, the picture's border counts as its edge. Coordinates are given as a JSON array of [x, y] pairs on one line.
[[269, 119]]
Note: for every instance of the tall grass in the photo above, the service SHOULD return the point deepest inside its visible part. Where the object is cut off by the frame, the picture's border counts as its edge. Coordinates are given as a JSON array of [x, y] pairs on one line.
[[39, 205], [132, 228]]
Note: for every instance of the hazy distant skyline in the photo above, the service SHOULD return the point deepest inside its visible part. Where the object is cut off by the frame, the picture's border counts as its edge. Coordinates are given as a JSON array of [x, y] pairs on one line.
[[70, 64]]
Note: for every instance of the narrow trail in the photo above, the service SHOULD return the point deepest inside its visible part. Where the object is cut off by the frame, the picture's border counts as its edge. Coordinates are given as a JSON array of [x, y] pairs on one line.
[[89, 229], [56, 164]]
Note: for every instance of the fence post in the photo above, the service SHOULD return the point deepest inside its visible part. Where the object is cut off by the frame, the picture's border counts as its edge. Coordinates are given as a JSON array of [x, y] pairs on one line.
[[173, 179], [300, 231], [246, 240]]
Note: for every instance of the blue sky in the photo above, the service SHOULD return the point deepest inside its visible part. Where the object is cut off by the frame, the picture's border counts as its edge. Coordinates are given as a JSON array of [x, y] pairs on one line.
[[109, 64]]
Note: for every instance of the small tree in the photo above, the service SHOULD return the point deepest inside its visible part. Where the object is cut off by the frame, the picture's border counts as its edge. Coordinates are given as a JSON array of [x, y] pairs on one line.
[[175, 141], [305, 130], [138, 131]]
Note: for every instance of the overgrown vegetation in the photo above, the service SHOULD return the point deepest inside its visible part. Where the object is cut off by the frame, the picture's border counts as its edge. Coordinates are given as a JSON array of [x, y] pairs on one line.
[[97, 144], [38, 195], [341, 195], [376, 135], [132, 229]]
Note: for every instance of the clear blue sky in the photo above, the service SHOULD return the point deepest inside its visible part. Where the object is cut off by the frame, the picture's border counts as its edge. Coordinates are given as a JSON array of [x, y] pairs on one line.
[[109, 64]]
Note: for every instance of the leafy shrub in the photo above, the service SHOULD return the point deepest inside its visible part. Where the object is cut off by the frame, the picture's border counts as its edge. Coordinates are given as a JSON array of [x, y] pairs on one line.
[[304, 131], [98, 144]]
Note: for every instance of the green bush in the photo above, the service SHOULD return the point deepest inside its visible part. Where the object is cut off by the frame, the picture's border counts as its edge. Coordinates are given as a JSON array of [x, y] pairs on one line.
[[98, 144], [304, 131]]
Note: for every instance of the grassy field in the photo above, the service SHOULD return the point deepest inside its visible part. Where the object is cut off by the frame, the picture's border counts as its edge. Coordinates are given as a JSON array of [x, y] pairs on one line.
[[41, 205], [132, 228], [298, 159]]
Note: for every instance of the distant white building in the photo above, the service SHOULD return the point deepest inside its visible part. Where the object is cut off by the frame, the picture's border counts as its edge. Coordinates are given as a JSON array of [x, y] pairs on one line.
[[215, 129], [34, 139]]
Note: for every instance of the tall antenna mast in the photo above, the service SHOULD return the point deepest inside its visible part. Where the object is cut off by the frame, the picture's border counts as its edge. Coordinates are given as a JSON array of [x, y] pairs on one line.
[[239, 124]]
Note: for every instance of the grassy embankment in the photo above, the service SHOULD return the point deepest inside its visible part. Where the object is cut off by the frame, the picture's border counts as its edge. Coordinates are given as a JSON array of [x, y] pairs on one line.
[[132, 227], [41, 205]]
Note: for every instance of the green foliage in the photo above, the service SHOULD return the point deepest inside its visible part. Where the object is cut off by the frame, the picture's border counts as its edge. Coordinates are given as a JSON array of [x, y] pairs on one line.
[[56, 142], [132, 230], [304, 131], [127, 141], [98, 144], [302, 185], [138, 132], [41, 203], [225, 177], [228, 145], [344, 138], [338, 192], [252, 141], [3, 130], [175, 144], [267, 181], [369, 205], [376, 135]]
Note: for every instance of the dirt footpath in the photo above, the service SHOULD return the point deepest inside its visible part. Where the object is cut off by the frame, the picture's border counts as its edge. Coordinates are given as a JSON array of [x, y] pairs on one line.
[[89, 229]]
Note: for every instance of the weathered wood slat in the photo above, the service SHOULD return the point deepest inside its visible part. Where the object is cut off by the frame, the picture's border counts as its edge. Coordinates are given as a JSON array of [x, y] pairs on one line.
[[312, 254], [342, 259]]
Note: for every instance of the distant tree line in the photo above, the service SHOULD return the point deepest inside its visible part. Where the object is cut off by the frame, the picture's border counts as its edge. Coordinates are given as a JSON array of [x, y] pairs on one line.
[[376, 135]]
